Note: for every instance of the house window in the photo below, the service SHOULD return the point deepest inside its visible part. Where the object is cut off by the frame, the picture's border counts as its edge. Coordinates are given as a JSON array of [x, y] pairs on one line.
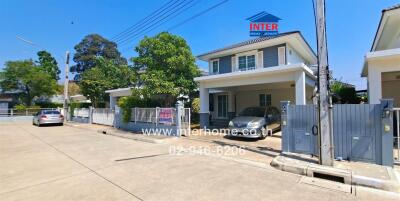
[[242, 63], [247, 62], [251, 62], [265, 100], [215, 66]]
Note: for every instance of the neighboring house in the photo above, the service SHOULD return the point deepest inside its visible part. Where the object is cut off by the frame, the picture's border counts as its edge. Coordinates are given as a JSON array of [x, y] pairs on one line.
[[382, 63], [51, 99], [79, 98], [115, 94], [8, 99], [258, 72]]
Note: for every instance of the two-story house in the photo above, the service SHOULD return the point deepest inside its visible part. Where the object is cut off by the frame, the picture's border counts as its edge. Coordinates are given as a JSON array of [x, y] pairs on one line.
[[382, 63], [257, 72]]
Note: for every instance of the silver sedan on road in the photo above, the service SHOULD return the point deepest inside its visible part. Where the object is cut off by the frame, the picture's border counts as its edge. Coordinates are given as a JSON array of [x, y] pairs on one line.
[[48, 117]]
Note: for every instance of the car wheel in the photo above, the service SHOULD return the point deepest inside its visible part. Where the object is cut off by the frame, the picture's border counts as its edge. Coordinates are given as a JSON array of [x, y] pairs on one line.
[[263, 133]]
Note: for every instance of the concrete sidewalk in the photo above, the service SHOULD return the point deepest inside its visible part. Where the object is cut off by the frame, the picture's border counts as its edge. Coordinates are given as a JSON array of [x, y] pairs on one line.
[[352, 173]]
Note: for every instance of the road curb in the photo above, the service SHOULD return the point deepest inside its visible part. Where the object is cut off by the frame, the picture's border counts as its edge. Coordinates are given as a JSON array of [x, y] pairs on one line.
[[311, 170]]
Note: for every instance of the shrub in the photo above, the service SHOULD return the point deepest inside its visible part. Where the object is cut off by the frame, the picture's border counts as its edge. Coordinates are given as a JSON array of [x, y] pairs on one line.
[[127, 103], [195, 110], [135, 100], [49, 105], [20, 107]]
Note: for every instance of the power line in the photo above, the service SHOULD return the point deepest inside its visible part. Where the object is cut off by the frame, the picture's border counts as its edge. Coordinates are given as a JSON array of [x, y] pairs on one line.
[[173, 13], [144, 20], [197, 15], [171, 9], [189, 19]]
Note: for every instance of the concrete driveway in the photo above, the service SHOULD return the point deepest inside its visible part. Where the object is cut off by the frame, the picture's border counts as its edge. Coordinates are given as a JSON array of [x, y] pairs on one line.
[[74, 163]]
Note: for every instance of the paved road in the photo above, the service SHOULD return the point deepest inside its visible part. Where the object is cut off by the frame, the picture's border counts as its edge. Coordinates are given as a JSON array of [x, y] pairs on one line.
[[73, 163]]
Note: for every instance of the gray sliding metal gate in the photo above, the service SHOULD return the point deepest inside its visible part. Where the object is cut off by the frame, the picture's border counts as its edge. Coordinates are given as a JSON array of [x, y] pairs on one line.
[[361, 132]]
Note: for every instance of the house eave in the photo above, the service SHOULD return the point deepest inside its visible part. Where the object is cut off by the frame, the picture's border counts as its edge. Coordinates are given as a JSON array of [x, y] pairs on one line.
[[269, 70], [289, 38], [378, 55]]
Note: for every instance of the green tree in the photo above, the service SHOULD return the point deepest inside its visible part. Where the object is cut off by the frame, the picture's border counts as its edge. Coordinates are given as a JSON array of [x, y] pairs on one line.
[[48, 64], [344, 93], [103, 76], [25, 77], [169, 67], [91, 47]]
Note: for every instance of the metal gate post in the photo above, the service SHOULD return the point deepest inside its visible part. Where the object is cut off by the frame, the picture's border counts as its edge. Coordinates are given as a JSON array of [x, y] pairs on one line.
[[387, 132], [156, 116], [90, 115], [285, 126], [179, 108]]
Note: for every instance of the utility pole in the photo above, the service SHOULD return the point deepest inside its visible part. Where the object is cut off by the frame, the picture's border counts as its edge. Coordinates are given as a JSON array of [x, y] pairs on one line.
[[325, 131], [66, 85]]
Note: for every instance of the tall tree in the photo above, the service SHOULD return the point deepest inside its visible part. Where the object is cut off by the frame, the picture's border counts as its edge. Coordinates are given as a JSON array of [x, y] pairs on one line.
[[169, 67], [103, 76], [47, 63], [27, 79], [91, 47]]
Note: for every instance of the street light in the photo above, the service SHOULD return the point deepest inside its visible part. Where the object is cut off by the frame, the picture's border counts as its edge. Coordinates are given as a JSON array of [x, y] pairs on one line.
[[66, 82]]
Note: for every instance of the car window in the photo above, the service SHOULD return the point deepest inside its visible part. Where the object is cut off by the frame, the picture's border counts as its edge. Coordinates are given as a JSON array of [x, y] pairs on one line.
[[51, 112], [272, 111], [253, 111]]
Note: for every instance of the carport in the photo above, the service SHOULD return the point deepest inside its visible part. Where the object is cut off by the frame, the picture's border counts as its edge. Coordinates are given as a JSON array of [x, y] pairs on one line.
[[222, 96]]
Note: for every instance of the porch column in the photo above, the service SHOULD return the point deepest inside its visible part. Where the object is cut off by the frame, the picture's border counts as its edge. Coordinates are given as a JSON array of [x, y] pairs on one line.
[[113, 102], [231, 105], [300, 80], [204, 107], [374, 86]]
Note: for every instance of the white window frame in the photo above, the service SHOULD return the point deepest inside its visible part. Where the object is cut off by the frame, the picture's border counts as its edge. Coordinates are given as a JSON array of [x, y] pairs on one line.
[[281, 63], [212, 66], [249, 53]]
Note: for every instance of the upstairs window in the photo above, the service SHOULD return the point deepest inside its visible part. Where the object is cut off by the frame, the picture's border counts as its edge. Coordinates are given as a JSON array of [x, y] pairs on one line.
[[247, 62], [242, 63], [251, 62], [215, 67]]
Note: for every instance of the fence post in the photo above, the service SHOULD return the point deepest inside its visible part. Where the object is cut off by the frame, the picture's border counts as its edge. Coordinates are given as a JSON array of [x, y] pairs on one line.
[[179, 108], [135, 114], [156, 116], [190, 122], [26, 112], [12, 112], [90, 116], [387, 132], [285, 126]]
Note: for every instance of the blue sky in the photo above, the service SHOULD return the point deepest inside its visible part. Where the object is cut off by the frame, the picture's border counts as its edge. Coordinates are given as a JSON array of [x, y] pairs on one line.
[[351, 26]]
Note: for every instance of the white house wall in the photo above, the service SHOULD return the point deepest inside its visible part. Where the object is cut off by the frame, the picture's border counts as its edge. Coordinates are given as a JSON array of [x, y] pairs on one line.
[[375, 70], [292, 56], [251, 98]]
